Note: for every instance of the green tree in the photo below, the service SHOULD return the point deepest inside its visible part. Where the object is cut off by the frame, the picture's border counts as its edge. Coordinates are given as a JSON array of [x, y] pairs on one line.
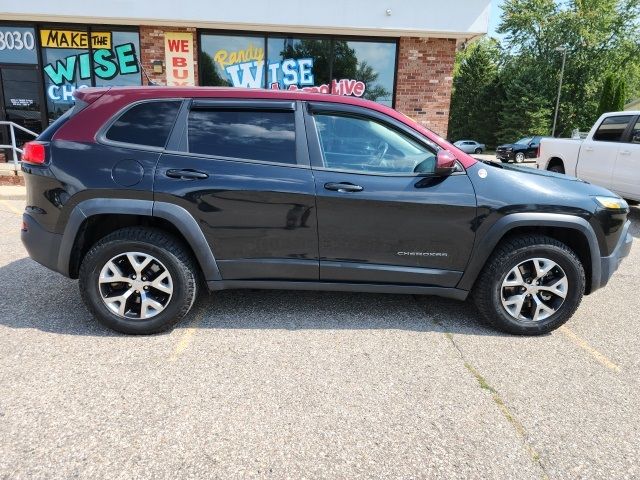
[[607, 94], [209, 72], [477, 93], [620, 96], [601, 37]]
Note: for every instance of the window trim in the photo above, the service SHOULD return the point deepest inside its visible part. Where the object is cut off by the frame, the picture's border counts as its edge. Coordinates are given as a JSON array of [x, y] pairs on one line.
[[624, 136], [301, 151], [315, 149], [101, 136]]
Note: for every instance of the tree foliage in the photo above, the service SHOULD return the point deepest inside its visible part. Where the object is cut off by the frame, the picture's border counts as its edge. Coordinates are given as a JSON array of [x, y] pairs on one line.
[[601, 37]]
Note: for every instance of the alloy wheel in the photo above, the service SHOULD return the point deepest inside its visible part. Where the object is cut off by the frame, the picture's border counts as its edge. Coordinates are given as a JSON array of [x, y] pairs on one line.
[[135, 285], [519, 157], [534, 289]]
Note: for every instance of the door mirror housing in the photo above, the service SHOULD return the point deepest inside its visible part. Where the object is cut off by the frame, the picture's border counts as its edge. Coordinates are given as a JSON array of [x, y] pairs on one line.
[[445, 163]]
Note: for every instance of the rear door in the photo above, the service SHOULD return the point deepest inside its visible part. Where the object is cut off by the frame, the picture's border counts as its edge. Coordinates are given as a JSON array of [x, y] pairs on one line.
[[598, 154], [383, 217], [626, 173], [241, 169]]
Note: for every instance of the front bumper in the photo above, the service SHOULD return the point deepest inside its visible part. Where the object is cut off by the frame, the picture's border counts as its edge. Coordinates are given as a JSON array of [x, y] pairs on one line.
[[609, 264], [505, 155], [42, 246]]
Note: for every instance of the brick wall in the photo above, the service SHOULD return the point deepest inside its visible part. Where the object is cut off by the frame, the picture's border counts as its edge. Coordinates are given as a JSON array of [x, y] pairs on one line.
[[152, 48], [424, 79]]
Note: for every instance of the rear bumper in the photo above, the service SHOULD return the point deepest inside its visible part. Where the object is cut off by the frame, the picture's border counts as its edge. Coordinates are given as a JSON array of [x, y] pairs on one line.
[[43, 246], [611, 263]]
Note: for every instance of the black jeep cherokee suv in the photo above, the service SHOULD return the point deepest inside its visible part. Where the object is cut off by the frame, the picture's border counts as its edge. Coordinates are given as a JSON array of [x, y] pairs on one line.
[[148, 194]]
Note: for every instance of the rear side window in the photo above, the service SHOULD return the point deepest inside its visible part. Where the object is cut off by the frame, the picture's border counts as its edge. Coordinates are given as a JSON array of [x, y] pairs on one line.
[[612, 128], [264, 135], [147, 123]]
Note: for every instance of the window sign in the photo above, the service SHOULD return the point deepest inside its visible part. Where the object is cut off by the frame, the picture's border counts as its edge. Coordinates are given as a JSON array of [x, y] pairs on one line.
[[320, 65], [17, 45], [69, 64]]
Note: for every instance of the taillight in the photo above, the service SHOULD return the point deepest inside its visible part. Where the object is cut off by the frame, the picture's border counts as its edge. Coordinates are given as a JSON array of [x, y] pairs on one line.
[[33, 152], [538, 151]]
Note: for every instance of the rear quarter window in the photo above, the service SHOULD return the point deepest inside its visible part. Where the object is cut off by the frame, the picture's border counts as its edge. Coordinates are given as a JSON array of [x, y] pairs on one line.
[[147, 124]]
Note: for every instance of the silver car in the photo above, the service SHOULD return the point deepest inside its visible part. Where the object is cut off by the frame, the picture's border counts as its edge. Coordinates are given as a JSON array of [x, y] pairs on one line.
[[470, 146]]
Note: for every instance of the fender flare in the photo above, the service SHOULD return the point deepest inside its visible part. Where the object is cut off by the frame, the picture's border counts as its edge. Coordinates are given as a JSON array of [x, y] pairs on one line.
[[485, 245], [176, 215]]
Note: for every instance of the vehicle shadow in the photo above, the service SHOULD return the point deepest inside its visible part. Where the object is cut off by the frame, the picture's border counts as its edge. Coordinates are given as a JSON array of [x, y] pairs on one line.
[[634, 216], [37, 298]]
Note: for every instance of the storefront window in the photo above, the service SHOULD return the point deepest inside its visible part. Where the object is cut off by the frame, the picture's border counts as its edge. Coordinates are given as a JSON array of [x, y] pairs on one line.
[[232, 61], [298, 62], [323, 64], [69, 63], [17, 45]]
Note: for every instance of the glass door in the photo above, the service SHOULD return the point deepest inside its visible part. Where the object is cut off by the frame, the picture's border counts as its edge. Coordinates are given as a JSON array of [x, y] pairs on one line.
[[20, 102]]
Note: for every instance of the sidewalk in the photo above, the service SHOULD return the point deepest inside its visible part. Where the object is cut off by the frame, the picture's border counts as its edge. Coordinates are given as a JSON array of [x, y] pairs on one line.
[[7, 168], [12, 192]]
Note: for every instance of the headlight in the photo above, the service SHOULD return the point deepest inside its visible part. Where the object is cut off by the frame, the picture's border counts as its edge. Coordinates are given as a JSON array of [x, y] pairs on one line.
[[611, 203]]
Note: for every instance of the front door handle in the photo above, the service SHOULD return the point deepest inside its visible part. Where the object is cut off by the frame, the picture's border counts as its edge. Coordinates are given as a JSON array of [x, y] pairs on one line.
[[186, 174], [625, 152], [343, 187], [588, 149]]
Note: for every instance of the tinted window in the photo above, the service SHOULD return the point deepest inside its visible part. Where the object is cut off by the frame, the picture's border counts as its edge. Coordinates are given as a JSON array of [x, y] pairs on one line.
[[635, 133], [612, 128], [147, 123], [361, 144], [255, 135]]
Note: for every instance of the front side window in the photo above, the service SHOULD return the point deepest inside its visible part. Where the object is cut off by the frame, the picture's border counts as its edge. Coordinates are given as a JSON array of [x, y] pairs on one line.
[[635, 133], [612, 128], [524, 141], [147, 123], [267, 135], [365, 145]]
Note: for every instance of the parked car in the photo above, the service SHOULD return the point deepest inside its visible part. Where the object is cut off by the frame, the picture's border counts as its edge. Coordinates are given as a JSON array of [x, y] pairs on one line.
[[524, 148], [470, 146], [149, 194], [609, 156]]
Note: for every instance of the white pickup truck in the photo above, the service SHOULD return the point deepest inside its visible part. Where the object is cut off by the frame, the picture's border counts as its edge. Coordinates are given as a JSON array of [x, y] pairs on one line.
[[609, 156]]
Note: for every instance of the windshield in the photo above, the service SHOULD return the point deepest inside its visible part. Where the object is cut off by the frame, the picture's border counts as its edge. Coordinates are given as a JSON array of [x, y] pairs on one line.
[[524, 141]]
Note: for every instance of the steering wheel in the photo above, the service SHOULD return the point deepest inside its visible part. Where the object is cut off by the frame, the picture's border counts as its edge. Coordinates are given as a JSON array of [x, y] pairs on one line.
[[381, 151]]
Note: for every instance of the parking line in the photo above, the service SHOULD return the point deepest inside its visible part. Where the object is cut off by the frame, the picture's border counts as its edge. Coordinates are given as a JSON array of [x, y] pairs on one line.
[[11, 208], [185, 339], [582, 343]]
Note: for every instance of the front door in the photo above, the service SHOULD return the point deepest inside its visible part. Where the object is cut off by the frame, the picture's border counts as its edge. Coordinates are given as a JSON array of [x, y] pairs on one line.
[[383, 217], [598, 154], [20, 102], [626, 173], [243, 173]]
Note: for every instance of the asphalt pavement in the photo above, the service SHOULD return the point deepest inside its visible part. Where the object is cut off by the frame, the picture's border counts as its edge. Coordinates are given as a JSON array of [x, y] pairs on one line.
[[276, 384]]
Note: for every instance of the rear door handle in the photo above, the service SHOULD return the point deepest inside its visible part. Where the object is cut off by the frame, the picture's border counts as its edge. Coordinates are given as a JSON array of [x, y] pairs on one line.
[[588, 149], [186, 174], [343, 187], [625, 152]]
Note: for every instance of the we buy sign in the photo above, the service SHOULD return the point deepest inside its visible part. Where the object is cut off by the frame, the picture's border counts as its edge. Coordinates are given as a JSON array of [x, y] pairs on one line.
[[178, 53]]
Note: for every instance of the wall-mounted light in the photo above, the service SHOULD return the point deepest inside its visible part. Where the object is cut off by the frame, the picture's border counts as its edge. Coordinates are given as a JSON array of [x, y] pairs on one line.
[[158, 66]]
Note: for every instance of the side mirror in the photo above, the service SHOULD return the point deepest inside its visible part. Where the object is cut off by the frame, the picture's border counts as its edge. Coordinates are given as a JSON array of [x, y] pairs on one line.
[[445, 163]]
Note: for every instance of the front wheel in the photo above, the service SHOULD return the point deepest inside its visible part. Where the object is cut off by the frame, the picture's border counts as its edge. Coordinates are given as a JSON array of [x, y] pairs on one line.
[[530, 285], [519, 157], [138, 281]]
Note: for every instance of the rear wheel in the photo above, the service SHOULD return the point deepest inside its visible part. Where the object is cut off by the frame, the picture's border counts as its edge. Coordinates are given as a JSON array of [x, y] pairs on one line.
[[530, 285], [138, 281], [478, 150]]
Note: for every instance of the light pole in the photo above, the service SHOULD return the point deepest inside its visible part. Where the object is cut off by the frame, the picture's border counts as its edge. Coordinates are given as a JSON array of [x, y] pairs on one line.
[[562, 49]]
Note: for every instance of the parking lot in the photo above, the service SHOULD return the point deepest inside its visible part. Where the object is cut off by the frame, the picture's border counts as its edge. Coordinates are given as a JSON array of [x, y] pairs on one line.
[[313, 385]]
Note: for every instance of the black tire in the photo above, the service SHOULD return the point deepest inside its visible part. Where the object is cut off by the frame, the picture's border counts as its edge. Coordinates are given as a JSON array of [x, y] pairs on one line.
[[510, 253], [478, 150], [519, 154], [157, 243], [556, 168]]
